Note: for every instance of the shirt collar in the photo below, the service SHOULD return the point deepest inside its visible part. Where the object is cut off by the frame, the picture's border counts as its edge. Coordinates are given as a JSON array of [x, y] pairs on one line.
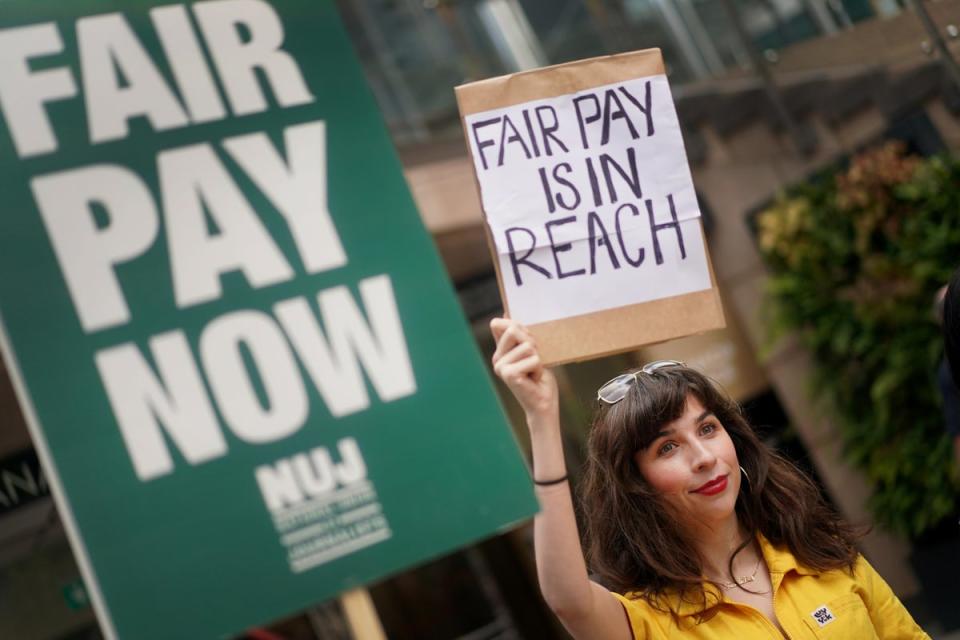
[[713, 595], [779, 561]]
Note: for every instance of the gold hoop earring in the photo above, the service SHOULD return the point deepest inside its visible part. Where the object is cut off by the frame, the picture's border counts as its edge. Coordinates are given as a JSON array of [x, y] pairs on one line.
[[745, 475]]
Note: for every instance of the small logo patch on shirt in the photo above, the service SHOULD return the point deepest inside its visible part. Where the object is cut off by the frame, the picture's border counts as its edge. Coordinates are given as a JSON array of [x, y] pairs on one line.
[[823, 616]]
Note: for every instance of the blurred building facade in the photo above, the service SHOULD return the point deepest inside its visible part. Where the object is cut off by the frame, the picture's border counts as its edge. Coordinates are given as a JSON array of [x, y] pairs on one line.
[[849, 72]]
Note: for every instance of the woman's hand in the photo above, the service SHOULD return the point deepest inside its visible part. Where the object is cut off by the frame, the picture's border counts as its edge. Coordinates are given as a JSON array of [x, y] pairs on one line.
[[517, 362]]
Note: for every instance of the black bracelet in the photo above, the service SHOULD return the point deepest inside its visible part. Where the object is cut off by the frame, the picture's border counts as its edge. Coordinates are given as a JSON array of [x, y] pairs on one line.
[[547, 483]]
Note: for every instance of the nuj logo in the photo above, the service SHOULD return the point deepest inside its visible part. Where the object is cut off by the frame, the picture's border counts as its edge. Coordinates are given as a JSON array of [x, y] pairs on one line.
[[305, 476]]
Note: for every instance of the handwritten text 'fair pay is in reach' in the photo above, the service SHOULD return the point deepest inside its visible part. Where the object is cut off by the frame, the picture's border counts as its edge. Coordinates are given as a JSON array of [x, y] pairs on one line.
[[599, 116]]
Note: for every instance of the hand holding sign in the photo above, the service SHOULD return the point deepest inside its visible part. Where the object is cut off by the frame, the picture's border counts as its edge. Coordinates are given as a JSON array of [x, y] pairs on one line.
[[590, 205], [517, 362]]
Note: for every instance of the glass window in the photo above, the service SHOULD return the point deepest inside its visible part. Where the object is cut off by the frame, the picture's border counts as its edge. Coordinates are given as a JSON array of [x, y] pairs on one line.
[[416, 51]]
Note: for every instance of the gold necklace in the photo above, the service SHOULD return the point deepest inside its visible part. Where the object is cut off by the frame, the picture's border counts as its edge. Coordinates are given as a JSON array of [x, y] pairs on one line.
[[742, 580]]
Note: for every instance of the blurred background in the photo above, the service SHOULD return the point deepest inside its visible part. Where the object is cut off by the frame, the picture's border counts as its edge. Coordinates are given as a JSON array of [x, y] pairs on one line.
[[819, 134]]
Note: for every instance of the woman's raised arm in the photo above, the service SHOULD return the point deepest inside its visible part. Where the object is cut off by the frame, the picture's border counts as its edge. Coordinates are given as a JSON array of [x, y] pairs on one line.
[[585, 608]]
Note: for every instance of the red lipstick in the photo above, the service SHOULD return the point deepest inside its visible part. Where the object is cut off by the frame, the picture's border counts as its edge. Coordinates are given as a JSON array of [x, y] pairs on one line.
[[713, 487]]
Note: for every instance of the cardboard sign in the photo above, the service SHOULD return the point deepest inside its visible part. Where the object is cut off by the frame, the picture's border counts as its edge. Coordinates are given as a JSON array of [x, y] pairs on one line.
[[589, 204], [241, 362]]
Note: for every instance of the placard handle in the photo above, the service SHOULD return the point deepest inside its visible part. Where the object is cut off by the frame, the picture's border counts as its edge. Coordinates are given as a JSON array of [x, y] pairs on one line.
[[361, 615]]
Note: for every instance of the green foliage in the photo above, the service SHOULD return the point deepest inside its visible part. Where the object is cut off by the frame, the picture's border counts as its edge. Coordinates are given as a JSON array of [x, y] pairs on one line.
[[856, 259]]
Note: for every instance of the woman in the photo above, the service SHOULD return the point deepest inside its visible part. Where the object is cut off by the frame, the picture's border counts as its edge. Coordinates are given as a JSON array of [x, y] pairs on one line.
[[697, 528]]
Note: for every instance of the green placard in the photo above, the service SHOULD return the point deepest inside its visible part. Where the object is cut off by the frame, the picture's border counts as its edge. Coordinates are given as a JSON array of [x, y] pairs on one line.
[[244, 369]]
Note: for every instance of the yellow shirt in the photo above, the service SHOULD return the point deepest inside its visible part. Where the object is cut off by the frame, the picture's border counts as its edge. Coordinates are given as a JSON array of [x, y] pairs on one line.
[[808, 603]]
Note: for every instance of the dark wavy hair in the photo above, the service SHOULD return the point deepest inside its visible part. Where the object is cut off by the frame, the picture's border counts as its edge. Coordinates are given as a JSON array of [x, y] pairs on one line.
[[633, 542]]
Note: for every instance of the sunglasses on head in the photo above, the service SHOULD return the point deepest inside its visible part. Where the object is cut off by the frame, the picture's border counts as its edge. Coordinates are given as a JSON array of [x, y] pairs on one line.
[[615, 390]]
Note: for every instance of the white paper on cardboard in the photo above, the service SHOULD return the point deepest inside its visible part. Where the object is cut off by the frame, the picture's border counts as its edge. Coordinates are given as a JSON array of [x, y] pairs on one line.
[[589, 200]]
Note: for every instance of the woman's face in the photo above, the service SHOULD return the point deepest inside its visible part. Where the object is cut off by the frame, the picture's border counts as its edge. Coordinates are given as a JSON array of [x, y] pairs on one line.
[[693, 464]]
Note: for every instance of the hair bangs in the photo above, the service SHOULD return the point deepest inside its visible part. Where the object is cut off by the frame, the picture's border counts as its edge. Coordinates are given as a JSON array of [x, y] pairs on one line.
[[655, 401]]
